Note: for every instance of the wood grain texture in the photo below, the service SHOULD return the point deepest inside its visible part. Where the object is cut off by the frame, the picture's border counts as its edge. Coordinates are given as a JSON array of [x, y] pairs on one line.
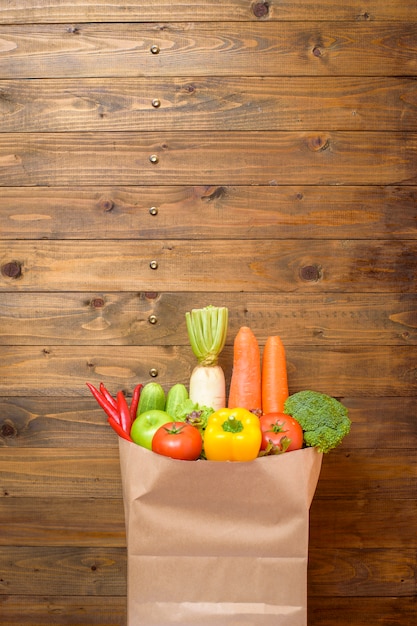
[[361, 523], [61, 521], [88, 571], [55, 422], [338, 371], [361, 611], [209, 103], [286, 135], [47, 610], [362, 572], [31, 11], [100, 572], [132, 318], [370, 474], [75, 421], [71, 473], [196, 49], [208, 212], [233, 158], [309, 266]]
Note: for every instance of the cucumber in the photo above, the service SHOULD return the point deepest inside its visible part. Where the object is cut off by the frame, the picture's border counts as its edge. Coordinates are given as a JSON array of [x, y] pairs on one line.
[[176, 396], [151, 398]]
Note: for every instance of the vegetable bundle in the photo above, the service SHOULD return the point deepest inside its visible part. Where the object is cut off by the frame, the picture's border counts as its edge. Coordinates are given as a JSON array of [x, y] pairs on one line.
[[261, 417], [119, 415], [263, 390]]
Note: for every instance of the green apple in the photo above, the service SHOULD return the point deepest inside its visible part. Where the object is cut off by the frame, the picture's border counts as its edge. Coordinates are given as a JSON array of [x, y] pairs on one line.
[[145, 426]]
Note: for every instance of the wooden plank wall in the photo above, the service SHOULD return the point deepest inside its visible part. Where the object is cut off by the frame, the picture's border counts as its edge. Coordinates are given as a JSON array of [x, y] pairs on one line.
[[285, 187]]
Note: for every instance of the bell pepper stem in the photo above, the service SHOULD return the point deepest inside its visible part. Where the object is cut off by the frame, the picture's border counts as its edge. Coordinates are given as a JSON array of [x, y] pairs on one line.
[[232, 425]]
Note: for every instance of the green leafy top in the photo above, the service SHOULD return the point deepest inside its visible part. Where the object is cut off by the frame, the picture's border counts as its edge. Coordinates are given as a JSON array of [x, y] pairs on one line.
[[192, 413], [207, 330]]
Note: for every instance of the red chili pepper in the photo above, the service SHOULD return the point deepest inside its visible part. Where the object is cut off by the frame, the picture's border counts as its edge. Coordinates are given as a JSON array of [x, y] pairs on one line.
[[108, 395], [135, 401], [105, 404], [118, 429], [123, 412]]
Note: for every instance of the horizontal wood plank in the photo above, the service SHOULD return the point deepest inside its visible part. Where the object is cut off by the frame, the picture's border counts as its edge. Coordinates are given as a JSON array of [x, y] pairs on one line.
[[132, 318], [99, 571], [76, 522], [351, 572], [95, 473], [232, 158], [62, 422], [67, 422], [306, 266], [43, 610], [211, 103], [67, 473], [372, 474], [62, 522], [362, 523], [372, 422], [27, 11], [338, 371], [80, 571], [47, 610], [361, 611], [208, 212], [193, 48]]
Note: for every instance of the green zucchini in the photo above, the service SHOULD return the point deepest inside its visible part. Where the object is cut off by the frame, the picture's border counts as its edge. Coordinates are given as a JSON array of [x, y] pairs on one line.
[[176, 396], [151, 398]]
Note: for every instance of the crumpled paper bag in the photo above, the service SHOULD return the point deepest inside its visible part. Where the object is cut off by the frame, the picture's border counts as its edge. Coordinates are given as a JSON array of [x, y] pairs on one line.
[[217, 543]]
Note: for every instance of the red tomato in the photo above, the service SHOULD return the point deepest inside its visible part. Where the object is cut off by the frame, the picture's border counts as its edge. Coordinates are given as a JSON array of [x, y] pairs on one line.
[[276, 427], [178, 441]]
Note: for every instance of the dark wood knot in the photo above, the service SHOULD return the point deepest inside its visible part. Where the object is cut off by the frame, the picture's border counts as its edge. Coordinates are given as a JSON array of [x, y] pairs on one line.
[[12, 269], [310, 273], [260, 9]]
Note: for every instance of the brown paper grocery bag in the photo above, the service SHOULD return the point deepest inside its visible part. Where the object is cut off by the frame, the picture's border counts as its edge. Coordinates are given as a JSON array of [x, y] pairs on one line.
[[213, 543]]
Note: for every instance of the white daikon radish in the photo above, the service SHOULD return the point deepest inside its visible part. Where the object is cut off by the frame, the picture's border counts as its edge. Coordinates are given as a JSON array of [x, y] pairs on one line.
[[207, 330]]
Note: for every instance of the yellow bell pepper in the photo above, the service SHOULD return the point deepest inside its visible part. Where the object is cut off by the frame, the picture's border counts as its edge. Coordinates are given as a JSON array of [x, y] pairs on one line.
[[232, 435]]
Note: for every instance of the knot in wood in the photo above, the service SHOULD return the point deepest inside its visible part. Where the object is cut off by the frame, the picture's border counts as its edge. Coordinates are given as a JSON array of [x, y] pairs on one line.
[[215, 194], [310, 273], [12, 269], [8, 430], [106, 205], [97, 303], [317, 51], [260, 9], [318, 143]]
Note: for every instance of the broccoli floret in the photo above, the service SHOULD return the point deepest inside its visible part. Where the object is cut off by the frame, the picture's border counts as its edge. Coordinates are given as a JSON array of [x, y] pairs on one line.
[[323, 419]]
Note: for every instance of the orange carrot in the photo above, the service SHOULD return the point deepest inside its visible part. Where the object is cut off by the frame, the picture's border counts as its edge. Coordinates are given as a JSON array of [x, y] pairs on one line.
[[274, 376], [245, 384]]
